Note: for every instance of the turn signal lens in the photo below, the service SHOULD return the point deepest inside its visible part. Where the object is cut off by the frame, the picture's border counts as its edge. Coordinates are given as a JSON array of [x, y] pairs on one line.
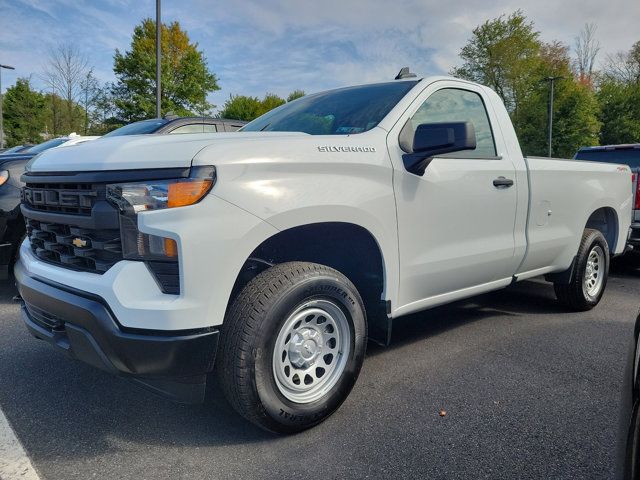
[[170, 247], [4, 176], [181, 194]]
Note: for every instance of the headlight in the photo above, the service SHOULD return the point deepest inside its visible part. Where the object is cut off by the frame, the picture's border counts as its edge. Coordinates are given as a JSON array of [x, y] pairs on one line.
[[4, 176], [134, 198], [138, 197]]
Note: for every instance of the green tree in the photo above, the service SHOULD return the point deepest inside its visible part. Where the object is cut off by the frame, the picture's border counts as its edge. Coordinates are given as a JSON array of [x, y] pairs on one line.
[[295, 95], [619, 97], [24, 113], [502, 53], [575, 108], [103, 116], [185, 77], [269, 102], [620, 111], [241, 107], [507, 55]]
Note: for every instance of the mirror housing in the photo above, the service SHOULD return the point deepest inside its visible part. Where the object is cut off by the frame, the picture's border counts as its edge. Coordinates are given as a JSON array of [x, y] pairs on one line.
[[432, 139]]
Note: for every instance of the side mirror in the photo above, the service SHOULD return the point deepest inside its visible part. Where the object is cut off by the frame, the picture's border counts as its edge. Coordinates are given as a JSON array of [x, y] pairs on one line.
[[432, 139]]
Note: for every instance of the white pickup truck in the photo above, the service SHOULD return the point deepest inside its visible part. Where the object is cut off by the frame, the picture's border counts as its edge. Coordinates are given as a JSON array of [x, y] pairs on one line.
[[277, 251]]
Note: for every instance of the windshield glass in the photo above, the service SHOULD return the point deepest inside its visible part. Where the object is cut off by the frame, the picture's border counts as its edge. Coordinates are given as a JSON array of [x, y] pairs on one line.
[[336, 112], [627, 156], [47, 145], [138, 128]]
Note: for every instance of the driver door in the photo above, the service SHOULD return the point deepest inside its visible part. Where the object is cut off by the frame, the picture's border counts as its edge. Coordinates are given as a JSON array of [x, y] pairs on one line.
[[456, 226]]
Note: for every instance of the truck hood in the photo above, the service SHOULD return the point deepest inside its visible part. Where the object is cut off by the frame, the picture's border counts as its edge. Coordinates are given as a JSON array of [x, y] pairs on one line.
[[136, 152]]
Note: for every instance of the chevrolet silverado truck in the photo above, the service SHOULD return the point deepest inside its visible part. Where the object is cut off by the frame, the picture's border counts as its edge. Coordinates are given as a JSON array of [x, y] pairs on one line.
[[276, 252]]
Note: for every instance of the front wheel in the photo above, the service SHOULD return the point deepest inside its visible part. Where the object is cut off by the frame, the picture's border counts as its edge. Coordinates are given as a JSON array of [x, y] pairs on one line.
[[292, 346], [589, 275]]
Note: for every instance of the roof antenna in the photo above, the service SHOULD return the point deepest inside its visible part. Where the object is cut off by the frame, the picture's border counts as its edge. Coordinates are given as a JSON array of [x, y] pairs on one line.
[[405, 73]]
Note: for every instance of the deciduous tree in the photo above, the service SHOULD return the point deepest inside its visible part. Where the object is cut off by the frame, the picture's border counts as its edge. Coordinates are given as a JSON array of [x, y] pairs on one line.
[[64, 73], [185, 78]]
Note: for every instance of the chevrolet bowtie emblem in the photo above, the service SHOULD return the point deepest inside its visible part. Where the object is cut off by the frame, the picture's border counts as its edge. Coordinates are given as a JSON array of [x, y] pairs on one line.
[[79, 242]]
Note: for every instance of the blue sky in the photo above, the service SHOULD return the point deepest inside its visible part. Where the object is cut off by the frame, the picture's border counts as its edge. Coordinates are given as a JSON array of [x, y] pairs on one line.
[[279, 45]]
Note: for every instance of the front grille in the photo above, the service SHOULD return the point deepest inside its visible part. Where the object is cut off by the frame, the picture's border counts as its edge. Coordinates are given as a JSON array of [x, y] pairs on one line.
[[67, 198], [74, 247]]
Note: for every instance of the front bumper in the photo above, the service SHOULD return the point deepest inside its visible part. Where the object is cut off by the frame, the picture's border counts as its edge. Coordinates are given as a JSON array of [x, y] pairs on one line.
[[174, 364]]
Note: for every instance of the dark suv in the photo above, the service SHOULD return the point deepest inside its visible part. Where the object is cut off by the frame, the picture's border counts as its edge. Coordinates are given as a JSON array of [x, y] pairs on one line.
[[174, 125], [628, 155]]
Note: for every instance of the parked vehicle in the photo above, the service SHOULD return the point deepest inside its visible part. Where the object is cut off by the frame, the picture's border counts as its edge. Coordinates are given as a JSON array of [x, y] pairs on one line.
[[15, 149], [626, 155], [175, 125], [277, 251], [629, 432], [12, 165]]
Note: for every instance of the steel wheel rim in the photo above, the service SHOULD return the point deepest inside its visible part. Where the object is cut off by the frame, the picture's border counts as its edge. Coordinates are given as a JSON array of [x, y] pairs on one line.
[[594, 272], [311, 351]]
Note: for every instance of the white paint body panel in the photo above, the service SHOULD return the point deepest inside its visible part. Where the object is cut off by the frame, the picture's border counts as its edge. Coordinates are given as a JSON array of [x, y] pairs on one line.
[[444, 236]]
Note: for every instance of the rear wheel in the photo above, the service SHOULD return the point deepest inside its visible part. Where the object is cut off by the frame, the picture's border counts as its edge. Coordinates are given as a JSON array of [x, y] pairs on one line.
[[589, 276], [292, 346]]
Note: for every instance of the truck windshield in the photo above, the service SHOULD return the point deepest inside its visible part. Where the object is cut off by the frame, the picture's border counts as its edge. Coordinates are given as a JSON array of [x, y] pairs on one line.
[[626, 156], [336, 112]]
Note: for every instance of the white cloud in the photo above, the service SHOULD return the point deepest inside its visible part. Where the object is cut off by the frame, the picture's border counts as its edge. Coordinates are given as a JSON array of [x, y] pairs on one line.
[[278, 45]]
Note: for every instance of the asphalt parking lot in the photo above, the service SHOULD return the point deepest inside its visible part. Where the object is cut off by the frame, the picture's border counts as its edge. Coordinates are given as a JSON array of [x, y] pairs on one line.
[[530, 391]]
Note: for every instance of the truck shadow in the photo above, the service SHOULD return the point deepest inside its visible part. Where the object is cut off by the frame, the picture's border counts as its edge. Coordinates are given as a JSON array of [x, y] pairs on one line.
[[626, 266], [523, 298]]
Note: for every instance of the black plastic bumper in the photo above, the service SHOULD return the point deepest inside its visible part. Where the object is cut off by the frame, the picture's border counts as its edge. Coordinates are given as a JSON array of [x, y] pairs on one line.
[[634, 238], [173, 364]]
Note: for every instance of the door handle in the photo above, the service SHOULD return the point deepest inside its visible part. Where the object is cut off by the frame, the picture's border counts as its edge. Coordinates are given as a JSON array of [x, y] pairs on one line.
[[502, 182]]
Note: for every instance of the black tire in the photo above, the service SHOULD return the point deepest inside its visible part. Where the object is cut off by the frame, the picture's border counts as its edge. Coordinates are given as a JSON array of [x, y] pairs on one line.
[[575, 295], [251, 328]]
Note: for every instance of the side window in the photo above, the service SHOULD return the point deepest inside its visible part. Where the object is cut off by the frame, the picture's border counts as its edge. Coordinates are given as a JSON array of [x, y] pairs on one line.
[[194, 128], [209, 128], [455, 105]]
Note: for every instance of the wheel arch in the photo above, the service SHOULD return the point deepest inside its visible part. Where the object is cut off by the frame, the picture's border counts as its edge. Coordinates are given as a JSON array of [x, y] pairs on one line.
[[605, 220], [347, 247]]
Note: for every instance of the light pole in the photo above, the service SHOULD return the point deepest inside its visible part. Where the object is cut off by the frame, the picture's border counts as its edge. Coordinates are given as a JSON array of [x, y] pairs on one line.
[[158, 58], [551, 81], [8, 67]]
